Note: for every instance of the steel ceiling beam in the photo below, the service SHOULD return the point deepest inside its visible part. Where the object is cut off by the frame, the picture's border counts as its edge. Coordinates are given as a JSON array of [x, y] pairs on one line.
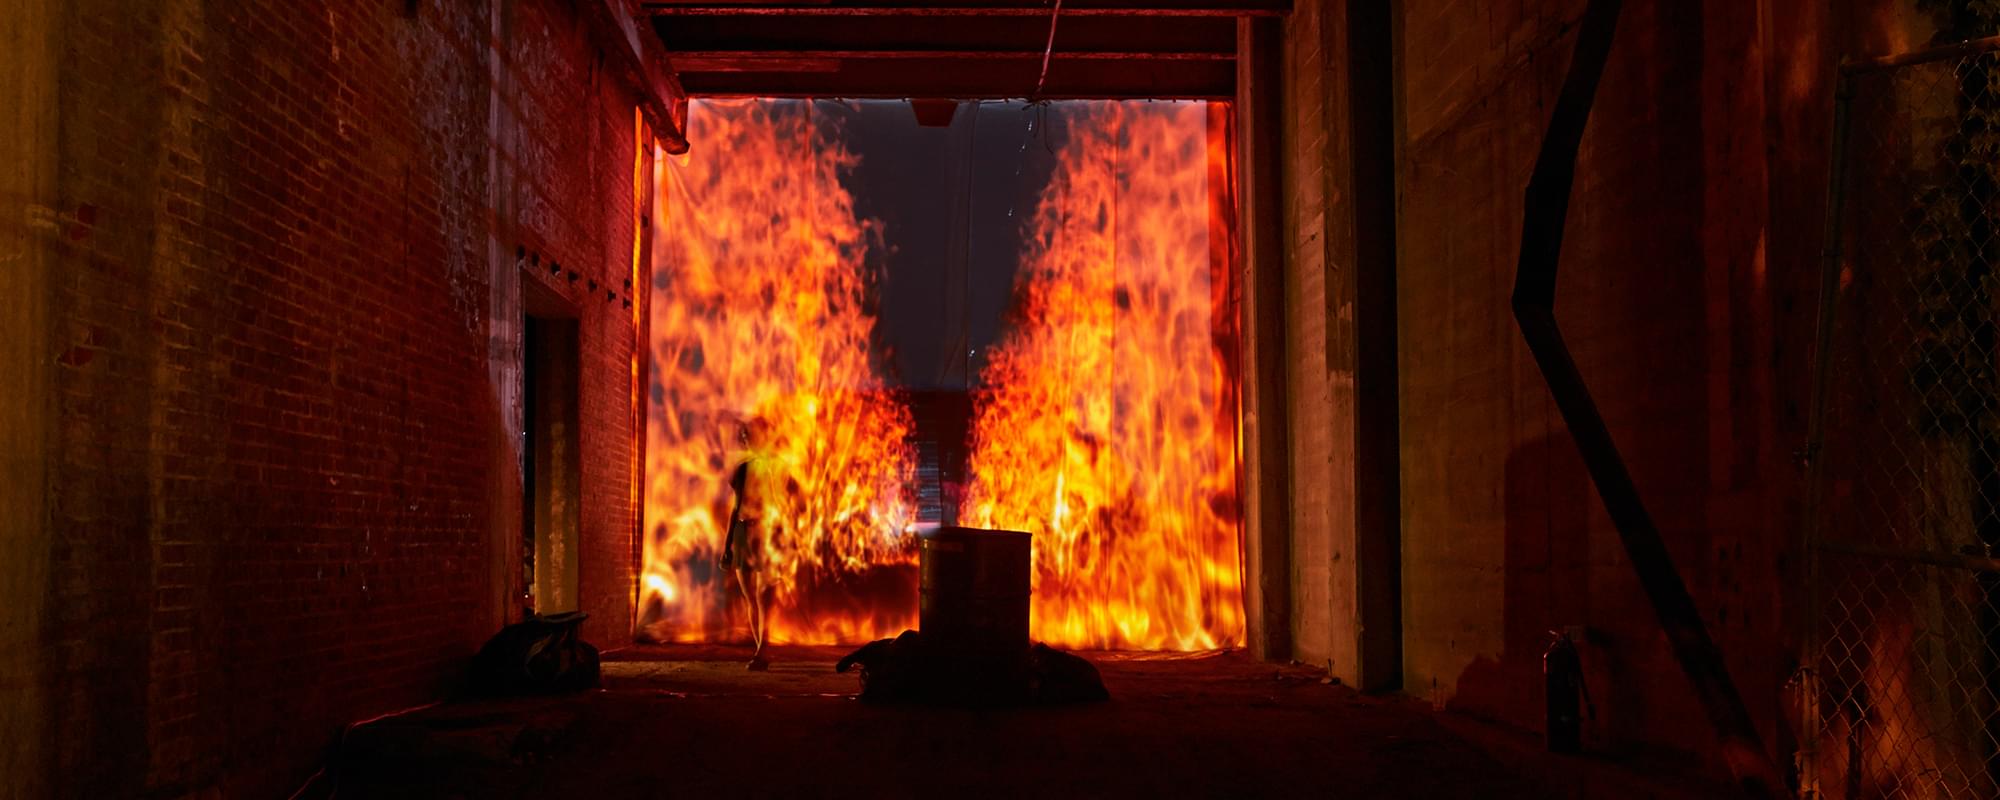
[[780, 35], [708, 60], [965, 78], [972, 8]]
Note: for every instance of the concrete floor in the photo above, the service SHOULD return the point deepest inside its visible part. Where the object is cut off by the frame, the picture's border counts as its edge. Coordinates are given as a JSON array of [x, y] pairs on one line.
[[692, 722]]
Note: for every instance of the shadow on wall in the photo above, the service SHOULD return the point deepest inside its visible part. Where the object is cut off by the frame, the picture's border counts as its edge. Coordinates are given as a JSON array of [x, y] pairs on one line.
[[1547, 587]]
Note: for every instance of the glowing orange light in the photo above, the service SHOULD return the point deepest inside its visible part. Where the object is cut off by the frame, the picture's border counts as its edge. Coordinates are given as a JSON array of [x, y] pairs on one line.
[[760, 310], [1104, 428], [1098, 432]]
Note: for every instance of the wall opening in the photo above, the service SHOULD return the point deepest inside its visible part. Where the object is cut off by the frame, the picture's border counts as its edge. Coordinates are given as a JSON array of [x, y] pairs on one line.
[[1022, 319], [552, 458]]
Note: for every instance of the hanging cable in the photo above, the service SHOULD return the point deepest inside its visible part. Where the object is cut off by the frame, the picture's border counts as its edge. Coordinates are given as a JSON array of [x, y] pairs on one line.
[[1049, 50]]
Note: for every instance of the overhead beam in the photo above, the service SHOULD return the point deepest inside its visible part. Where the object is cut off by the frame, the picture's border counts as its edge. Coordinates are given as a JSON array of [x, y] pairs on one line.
[[820, 60], [696, 63], [973, 8], [1160, 35], [1114, 79], [643, 61]]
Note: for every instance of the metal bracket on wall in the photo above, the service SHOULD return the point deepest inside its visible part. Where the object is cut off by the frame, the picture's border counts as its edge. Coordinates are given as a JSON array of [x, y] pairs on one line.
[[1547, 206]]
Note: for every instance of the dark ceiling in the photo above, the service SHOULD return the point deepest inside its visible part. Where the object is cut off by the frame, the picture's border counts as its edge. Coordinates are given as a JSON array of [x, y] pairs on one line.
[[959, 49]]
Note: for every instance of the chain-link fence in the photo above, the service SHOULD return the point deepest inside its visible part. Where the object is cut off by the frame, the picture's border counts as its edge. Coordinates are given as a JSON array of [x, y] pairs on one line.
[[1903, 599]]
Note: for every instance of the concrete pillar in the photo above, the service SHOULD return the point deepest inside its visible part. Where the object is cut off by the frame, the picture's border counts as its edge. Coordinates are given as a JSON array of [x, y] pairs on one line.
[[28, 220], [1371, 174], [1266, 496]]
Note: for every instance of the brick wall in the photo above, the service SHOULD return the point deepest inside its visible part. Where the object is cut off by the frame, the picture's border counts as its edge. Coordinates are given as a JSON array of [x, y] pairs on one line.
[[282, 322], [575, 194], [28, 133]]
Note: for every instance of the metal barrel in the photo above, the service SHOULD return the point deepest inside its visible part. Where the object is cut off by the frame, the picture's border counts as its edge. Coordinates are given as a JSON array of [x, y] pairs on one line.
[[974, 590]]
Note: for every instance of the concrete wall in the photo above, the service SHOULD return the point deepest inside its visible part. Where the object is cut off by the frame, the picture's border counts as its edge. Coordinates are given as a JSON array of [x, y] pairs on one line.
[[1322, 450], [1504, 537], [1687, 296], [1339, 322], [274, 298]]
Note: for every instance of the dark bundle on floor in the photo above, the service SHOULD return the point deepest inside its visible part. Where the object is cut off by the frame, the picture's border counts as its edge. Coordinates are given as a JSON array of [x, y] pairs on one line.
[[538, 655], [908, 670]]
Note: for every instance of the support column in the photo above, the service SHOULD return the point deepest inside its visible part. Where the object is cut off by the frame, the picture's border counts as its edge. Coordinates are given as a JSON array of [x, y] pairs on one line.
[[1266, 511], [1371, 176], [28, 155]]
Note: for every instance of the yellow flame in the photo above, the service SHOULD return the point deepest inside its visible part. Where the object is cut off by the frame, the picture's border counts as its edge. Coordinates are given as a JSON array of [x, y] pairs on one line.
[[658, 586], [1105, 430], [759, 310]]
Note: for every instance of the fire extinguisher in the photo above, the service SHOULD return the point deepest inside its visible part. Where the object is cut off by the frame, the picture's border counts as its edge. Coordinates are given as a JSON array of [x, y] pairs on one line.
[[1565, 695]]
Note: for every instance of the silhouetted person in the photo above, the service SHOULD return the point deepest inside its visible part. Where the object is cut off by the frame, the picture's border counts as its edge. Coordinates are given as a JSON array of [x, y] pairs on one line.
[[750, 524]]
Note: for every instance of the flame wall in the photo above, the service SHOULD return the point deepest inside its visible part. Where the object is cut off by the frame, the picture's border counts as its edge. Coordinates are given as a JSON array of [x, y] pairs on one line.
[[1105, 426], [760, 307]]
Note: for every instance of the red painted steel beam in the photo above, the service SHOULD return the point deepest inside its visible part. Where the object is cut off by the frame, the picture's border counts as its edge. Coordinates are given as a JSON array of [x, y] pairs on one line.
[[967, 79], [815, 60], [976, 8], [779, 35]]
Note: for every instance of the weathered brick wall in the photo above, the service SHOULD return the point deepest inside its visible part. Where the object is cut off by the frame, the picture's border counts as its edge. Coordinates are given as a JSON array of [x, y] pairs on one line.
[[281, 320], [575, 192]]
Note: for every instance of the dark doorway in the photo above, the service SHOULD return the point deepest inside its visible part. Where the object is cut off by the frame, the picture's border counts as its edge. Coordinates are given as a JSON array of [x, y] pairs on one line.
[[551, 463]]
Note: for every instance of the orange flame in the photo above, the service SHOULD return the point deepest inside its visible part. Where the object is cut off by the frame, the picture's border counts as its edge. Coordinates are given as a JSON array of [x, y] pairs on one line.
[[1106, 429], [759, 309]]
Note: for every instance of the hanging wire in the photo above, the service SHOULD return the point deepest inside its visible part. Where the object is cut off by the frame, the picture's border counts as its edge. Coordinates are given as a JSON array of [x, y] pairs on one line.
[[962, 350], [1049, 51]]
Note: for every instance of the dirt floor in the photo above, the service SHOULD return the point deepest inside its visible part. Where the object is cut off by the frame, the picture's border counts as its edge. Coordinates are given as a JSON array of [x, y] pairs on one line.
[[692, 722]]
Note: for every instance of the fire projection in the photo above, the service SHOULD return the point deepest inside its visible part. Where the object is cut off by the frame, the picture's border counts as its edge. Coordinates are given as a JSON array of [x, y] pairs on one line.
[[1105, 426], [1105, 429], [759, 309]]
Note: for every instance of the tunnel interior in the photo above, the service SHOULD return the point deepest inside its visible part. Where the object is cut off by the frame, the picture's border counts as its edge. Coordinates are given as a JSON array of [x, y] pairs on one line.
[[1396, 395]]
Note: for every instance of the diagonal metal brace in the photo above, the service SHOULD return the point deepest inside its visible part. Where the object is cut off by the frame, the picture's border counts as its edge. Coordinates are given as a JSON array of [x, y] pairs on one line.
[[1547, 206]]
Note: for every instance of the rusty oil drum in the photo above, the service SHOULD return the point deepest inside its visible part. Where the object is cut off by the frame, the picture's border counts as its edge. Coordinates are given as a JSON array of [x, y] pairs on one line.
[[974, 590]]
